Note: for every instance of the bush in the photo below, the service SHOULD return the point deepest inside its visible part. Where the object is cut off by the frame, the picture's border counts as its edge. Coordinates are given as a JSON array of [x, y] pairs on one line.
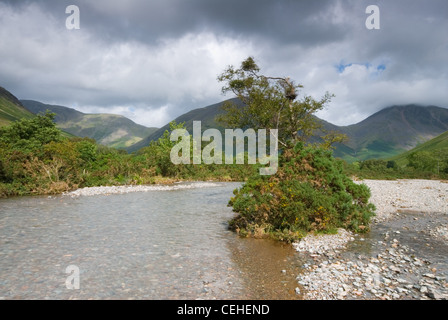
[[309, 192]]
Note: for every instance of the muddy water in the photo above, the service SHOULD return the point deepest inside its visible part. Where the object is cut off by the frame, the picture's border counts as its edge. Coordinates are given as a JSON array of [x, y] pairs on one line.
[[146, 245]]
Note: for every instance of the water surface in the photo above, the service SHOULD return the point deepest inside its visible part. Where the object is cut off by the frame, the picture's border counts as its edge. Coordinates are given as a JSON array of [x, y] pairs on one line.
[[144, 245]]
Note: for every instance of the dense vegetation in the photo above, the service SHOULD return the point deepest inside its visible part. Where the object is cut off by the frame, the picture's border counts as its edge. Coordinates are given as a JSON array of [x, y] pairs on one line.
[[36, 158], [309, 192], [416, 165]]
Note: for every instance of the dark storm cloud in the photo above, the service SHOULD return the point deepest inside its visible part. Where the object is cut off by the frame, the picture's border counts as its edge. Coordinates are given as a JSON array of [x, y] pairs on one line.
[[148, 21], [161, 58]]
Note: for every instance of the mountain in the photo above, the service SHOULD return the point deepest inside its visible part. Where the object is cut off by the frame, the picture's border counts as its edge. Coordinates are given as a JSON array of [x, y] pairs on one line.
[[437, 143], [386, 133], [11, 109], [206, 115], [108, 129], [391, 131]]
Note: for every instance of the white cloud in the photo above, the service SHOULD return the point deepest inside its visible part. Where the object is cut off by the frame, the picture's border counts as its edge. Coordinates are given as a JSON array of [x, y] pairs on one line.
[[153, 82], [76, 68], [144, 115]]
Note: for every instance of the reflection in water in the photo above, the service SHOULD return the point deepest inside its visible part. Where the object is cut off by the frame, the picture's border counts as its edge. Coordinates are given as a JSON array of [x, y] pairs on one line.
[[150, 245]]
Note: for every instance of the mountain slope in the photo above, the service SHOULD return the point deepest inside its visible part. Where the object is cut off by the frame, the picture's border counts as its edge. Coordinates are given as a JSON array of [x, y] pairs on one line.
[[206, 115], [108, 129], [435, 144], [386, 133], [11, 109], [393, 130]]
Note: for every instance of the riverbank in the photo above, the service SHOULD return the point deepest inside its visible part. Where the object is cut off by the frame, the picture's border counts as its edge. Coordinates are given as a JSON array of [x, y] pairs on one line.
[[411, 225], [109, 190], [390, 268]]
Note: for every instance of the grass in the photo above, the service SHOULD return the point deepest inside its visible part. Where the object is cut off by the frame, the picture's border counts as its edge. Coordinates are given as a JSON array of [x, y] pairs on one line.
[[432, 145], [10, 112]]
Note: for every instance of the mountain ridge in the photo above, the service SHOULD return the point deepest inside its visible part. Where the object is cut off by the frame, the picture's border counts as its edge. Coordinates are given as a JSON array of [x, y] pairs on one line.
[[386, 133], [115, 131], [11, 109], [437, 143], [393, 130]]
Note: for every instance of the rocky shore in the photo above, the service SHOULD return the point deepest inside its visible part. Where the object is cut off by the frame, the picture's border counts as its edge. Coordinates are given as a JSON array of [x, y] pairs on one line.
[[391, 267], [410, 211], [392, 196], [109, 190]]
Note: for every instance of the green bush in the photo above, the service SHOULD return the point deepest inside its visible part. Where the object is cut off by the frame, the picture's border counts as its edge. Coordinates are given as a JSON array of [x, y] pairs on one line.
[[310, 192]]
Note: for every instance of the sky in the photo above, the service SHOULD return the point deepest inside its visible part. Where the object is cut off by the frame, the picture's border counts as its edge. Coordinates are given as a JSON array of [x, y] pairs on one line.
[[152, 61]]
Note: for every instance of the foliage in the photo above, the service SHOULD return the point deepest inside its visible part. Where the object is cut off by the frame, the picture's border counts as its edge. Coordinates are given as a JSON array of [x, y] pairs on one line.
[[30, 135], [157, 155], [36, 159], [423, 161], [309, 192], [271, 103], [159, 152], [425, 164]]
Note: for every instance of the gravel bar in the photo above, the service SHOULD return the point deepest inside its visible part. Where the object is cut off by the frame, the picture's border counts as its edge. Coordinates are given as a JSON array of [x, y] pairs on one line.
[[109, 190], [395, 271]]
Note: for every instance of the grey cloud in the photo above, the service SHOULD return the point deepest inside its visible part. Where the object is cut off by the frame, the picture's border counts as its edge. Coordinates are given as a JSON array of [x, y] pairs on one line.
[[147, 21], [165, 55]]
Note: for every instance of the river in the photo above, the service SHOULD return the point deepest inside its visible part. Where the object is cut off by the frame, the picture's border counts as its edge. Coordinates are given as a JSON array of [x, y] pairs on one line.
[[170, 244]]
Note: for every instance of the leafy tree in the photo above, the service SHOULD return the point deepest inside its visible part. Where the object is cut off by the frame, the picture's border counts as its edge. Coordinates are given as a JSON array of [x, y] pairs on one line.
[[374, 165], [30, 134], [392, 164], [422, 161], [87, 149], [159, 152], [271, 103], [309, 191]]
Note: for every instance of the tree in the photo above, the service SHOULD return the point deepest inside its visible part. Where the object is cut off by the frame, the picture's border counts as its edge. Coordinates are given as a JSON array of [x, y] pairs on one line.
[[159, 152], [422, 161], [272, 103], [309, 192], [30, 134]]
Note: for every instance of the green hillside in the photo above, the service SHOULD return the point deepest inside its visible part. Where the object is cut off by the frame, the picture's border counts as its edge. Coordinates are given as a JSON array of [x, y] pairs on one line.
[[11, 109], [206, 115], [433, 145], [383, 135], [108, 129], [392, 131]]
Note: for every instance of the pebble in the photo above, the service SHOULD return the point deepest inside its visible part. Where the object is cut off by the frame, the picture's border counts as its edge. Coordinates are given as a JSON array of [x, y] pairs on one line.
[[108, 190], [357, 281], [396, 272]]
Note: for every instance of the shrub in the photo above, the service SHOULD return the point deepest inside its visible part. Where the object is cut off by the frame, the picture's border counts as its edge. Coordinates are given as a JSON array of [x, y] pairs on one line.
[[310, 192]]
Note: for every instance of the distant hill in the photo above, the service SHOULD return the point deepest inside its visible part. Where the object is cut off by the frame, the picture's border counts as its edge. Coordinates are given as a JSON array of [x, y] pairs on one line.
[[437, 143], [392, 131], [108, 129], [206, 115], [11, 109], [387, 133]]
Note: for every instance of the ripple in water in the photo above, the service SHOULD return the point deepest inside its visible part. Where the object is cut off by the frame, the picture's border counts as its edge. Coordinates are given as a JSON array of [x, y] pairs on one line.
[[157, 244]]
